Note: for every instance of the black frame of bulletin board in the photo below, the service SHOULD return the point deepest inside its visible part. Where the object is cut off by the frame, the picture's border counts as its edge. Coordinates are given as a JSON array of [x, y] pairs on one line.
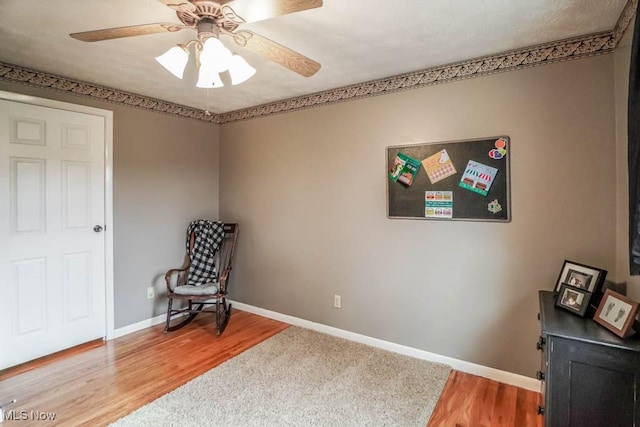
[[408, 202]]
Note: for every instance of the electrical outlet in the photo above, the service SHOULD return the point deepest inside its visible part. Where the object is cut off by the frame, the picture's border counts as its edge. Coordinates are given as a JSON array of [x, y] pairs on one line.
[[337, 301], [151, 292]]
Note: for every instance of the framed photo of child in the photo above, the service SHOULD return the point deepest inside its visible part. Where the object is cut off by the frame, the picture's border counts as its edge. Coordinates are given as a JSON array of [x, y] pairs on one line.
[[575, 300], [581, 276]]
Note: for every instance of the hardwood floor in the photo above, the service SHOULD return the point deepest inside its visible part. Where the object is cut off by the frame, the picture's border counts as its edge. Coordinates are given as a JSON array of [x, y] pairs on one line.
[[102, 384], [98, 383], [470, 401]]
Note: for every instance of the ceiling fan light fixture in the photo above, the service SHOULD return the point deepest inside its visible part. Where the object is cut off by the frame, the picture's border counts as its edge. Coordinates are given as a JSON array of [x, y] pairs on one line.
[[214, 55], [212, 19], [240, 70], [174, 60], [208, 78]]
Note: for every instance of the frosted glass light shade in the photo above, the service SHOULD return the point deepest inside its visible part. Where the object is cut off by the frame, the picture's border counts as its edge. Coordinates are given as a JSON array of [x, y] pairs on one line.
[[208, 78], [214, 55], [240, 70], [174, 60]]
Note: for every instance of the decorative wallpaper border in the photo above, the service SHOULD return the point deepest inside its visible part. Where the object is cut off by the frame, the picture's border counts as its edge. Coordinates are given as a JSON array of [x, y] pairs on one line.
[[17, 74], [627, 14], [514, 60], [563, 50]]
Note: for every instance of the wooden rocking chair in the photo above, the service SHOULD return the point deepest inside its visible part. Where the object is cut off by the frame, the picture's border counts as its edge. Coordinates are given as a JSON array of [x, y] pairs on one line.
[[209, 294]]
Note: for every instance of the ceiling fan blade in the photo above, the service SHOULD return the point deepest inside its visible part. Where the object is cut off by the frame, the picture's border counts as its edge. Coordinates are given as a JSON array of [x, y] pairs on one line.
[[177, 2], [284, 56], [182, 6], [134, 30], [259, 10]]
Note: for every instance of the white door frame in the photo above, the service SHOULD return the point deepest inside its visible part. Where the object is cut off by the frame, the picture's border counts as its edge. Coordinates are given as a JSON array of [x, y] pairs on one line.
[[108, 187]]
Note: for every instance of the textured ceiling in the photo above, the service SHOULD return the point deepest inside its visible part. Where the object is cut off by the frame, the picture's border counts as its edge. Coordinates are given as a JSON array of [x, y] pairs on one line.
[[355, 41]]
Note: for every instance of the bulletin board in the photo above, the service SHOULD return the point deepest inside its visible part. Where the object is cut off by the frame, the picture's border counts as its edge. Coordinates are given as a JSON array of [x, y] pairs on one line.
[[464, 180]]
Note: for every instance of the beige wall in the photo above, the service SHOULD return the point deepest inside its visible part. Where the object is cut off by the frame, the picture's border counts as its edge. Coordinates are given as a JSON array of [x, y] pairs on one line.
[[622, 59], [308, 189], [165, 173]]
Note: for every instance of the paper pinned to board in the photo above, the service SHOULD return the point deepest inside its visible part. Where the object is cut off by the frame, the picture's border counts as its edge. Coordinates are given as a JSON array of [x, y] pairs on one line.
[[439, 166], [478, 177], [438, 204], [404, 169]]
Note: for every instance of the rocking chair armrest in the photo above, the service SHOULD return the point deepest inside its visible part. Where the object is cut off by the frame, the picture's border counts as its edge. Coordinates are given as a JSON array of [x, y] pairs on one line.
[[185, 263], [223, 277], [174, 277]]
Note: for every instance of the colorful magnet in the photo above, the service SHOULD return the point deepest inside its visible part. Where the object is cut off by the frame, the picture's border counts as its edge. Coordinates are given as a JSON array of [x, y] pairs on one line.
[[497, 154], [501, 149], [501, 143], [494, 206]]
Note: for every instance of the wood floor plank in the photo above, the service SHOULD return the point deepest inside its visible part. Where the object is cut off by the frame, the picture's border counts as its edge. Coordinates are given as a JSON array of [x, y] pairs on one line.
[[99, 383], [472, 401], [505, 406]]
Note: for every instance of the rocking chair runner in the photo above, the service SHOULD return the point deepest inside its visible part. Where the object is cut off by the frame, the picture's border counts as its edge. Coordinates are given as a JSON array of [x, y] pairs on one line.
[[180, 281]]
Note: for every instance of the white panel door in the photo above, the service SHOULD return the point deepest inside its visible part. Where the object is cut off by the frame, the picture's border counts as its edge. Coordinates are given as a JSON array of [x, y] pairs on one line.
[[52, 263]]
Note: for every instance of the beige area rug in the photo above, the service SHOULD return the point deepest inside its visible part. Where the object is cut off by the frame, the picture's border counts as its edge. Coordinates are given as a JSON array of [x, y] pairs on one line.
[[303, 378]]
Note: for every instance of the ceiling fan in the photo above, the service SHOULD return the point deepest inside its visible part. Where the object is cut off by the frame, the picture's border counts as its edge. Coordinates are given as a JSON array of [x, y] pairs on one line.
[[211, 19]]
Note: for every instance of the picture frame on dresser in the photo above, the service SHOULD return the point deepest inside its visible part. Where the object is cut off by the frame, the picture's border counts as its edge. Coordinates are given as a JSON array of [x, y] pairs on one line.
[[580, 276], [573, 299], [589, 376], [617, 313]]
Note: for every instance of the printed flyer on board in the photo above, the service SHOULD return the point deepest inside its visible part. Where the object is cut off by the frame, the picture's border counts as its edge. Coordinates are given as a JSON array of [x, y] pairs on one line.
[[438, 204]]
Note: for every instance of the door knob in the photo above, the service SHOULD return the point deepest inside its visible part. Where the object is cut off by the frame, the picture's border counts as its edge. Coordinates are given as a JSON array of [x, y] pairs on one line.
[[97, 228]]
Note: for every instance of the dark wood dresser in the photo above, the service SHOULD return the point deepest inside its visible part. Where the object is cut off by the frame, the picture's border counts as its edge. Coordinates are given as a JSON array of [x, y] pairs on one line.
[[590, 377]]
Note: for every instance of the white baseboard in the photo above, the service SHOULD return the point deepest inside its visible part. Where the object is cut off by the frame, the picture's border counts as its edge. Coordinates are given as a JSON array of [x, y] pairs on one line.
[[135, 327], [460, 365], [457, 364]]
